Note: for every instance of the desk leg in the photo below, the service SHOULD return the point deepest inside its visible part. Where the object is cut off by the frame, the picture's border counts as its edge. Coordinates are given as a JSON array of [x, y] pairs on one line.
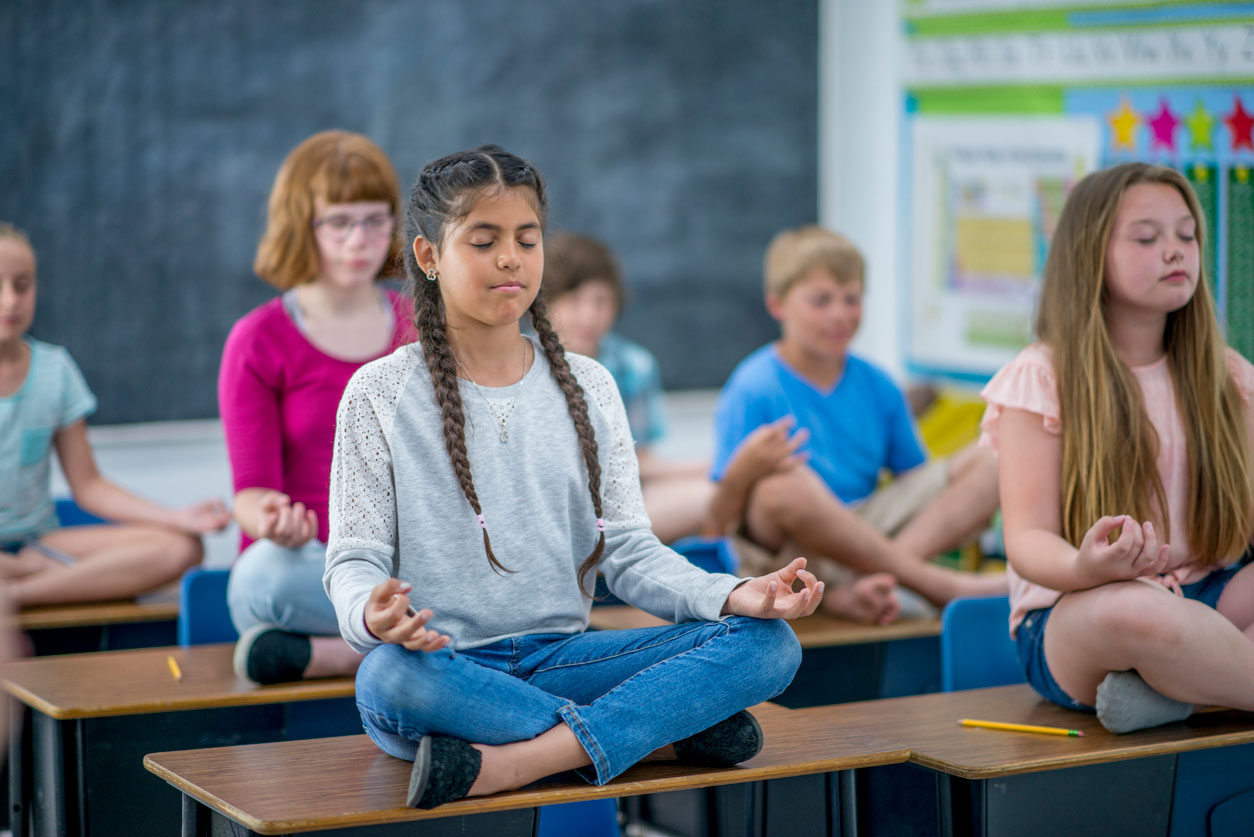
[[19, 768], [55, 753], [196, 818], [844, 803]]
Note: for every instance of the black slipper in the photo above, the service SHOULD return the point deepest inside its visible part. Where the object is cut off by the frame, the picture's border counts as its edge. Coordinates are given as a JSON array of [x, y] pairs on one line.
[[737, 739], [266, 654], [444, 769]]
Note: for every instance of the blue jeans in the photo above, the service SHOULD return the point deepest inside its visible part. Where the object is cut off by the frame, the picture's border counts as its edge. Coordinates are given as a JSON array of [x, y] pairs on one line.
[[623, 693], [275, 585]]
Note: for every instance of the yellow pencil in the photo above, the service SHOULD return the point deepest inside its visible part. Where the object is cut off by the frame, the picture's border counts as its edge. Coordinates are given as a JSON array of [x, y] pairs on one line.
[[174, 667], [1074, 733]]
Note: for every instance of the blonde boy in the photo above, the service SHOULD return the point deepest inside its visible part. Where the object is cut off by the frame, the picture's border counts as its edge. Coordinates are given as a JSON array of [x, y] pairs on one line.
[[851, 424]]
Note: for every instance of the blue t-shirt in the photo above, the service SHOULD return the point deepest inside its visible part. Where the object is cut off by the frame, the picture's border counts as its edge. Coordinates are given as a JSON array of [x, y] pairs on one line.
[[857, 429], [54, 395], [639, 382]]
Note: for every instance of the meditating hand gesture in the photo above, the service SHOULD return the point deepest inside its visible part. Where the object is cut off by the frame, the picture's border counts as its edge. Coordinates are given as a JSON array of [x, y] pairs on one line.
[[389, 617], [1136, 552], [772, 596]]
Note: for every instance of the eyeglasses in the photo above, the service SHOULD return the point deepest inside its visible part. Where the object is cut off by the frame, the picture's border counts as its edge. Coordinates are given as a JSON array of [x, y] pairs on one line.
[[340, 227]]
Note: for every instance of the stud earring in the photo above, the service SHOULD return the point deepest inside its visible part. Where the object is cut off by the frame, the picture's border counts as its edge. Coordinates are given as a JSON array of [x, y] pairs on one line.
[[432, 276]]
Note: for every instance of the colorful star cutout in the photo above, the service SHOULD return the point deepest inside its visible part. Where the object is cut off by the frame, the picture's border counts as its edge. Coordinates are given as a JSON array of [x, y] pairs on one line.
[[1201, 173], [1123, 124], [1164, 127], [1200, 123], [1240, 124]]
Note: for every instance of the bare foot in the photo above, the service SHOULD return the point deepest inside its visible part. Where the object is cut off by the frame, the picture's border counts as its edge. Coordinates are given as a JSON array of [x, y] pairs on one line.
[[870, 598]]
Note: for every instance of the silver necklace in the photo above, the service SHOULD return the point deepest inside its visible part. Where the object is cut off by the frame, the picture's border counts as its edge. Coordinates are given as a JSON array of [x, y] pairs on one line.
[[499, 408]]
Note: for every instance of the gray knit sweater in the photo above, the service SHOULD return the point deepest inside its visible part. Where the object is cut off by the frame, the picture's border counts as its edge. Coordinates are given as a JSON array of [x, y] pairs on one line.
[[396, 508]]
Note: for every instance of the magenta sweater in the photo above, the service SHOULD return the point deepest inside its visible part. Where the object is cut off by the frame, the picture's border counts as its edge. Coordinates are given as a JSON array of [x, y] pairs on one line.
[[277, 395]]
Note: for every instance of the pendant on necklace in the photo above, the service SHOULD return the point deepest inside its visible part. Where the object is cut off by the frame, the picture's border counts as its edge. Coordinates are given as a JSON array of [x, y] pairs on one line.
[[501, 411]]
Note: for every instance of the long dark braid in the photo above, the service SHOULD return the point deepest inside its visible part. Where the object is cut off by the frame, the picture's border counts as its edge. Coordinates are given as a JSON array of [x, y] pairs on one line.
[[577, 406], [429, 320], [443, 195]]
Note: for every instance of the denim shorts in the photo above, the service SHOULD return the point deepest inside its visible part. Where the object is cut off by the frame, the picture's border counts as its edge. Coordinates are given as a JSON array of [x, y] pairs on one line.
[[1030, 637]]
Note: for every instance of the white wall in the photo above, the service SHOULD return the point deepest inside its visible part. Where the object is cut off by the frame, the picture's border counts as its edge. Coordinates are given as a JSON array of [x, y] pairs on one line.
[[860, 46]]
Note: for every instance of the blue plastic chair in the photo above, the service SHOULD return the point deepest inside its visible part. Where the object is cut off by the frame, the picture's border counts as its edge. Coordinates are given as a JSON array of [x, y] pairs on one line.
[[70, 514], [592, 818], [976, 649], [203, 614], [713, 555]]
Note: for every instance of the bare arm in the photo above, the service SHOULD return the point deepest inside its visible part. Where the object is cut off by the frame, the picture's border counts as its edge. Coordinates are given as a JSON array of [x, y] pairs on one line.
[[1029, 471], [105, 499], [767, 450]]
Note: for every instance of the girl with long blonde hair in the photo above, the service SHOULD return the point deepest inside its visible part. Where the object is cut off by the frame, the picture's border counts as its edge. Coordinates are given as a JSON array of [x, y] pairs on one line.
[[1128, 595]]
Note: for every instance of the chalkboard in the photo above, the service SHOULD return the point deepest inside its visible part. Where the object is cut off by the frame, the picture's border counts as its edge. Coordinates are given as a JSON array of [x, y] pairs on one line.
[[142, 137]]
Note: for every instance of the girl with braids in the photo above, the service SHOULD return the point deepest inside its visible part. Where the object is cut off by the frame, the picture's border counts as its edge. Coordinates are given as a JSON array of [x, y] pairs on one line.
[[1134, 420], [486, 476]]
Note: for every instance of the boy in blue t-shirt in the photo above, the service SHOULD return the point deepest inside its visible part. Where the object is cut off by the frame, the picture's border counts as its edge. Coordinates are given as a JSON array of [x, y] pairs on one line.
[[852, 423]]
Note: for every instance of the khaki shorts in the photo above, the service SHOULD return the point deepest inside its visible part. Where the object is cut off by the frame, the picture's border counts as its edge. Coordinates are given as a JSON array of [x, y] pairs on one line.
[[887, 510]]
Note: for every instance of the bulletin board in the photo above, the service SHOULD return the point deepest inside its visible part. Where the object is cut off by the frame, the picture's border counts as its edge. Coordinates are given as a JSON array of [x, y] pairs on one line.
[[1008, 104]]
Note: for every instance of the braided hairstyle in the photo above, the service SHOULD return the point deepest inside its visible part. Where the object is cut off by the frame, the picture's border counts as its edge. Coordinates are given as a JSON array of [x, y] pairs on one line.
[[445, 193]]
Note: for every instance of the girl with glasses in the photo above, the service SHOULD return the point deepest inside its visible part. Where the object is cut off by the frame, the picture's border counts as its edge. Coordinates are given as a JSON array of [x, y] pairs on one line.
[[329, 239]]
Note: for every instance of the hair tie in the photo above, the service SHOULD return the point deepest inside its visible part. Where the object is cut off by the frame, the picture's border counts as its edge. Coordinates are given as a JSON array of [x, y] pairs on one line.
[[482, 525], [600, 524]]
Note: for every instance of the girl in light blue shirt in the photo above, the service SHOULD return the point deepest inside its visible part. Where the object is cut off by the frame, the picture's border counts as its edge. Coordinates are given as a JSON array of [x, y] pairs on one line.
[[44, 403]]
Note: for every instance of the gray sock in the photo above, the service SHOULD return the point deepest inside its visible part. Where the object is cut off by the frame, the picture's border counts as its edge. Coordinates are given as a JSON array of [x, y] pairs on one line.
[[1125, 703]]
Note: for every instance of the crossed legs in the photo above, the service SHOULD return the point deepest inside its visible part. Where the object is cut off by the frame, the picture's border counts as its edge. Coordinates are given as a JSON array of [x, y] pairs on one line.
[[111, 562], [1184, 649], [795, 505]]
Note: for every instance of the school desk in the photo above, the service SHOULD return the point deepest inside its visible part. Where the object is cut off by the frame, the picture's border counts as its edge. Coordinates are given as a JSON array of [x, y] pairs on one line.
[[842, 660], [350, 785], [90, 718], [962, 780], [99, 626]]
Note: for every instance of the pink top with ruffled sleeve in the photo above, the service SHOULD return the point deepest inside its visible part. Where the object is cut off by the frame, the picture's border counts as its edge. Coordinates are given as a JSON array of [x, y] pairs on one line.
[[1028, 383]]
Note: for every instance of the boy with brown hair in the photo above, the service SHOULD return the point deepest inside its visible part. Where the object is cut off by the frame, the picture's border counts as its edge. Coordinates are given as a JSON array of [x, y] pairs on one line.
[[854, 424]]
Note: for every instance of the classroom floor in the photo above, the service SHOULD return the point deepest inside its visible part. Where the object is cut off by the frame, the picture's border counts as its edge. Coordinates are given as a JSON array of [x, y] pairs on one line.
[[181, 462]]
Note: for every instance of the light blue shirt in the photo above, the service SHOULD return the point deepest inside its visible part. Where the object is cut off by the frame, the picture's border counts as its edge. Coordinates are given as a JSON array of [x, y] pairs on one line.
[[857, 429], [54, 395], [635, 371]]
